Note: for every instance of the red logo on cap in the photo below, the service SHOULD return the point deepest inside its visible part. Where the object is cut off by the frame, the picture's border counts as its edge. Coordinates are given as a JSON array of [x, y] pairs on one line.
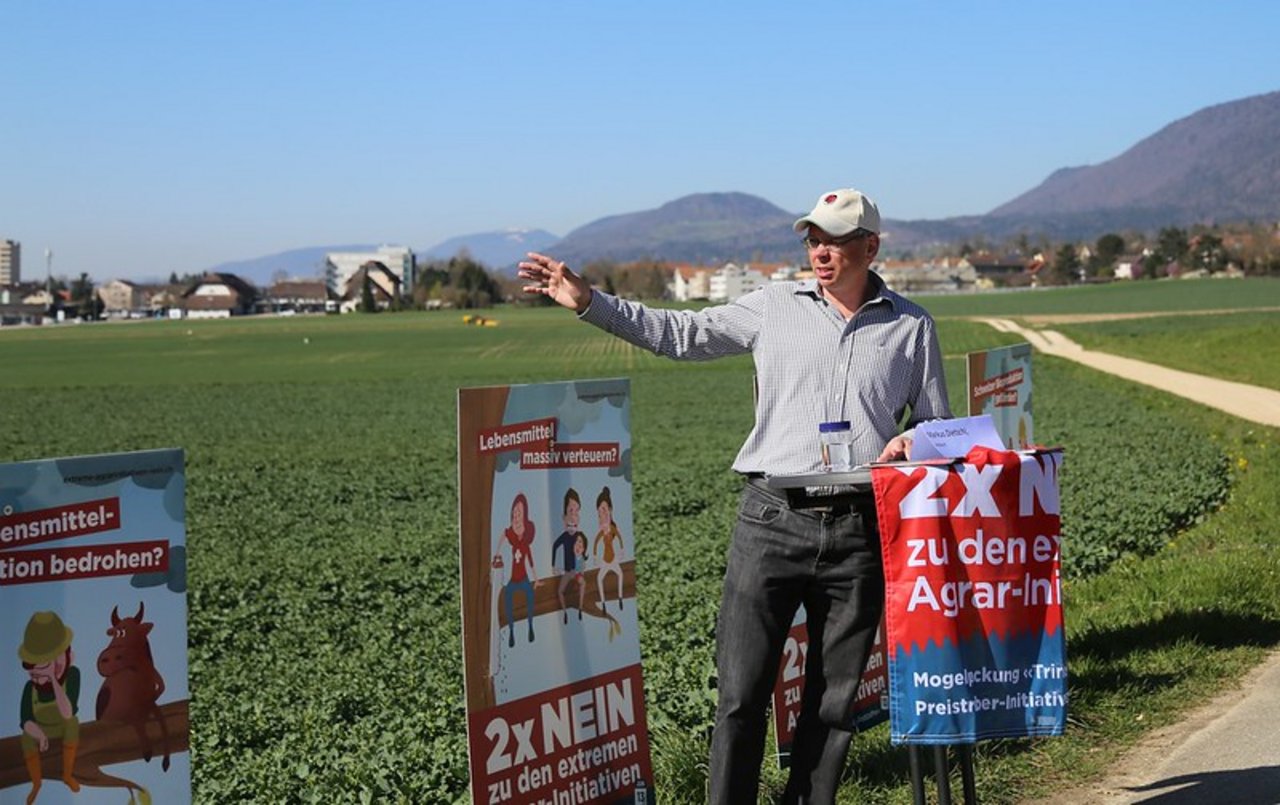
[[830, 199]]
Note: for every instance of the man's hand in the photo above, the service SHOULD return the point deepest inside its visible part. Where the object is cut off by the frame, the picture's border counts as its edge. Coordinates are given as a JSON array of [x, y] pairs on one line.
[[553, 279], [898, 449]]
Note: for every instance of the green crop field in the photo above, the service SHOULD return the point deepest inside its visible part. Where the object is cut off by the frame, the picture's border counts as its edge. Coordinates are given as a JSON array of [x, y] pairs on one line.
[[324, 617]]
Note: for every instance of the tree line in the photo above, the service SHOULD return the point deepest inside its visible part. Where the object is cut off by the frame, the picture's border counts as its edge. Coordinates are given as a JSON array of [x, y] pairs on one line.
[[1252, 249], [463, 282]]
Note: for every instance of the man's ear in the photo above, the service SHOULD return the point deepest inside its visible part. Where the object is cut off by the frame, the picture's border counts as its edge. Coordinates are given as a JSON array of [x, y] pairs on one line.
[[873, 246]]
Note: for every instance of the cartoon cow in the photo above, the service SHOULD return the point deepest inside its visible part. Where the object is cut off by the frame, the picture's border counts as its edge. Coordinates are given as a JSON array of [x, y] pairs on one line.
[[131, 686]]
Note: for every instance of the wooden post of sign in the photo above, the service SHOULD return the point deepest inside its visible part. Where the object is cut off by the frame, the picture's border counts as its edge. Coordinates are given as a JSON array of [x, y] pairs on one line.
[[477, 474]]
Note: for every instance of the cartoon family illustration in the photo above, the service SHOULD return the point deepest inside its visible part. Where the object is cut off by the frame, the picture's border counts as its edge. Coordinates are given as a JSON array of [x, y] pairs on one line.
[[50, 703], [571, 551]]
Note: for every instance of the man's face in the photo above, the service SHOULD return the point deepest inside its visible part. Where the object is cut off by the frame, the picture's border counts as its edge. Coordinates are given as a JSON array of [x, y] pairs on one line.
[[571, 514], [836, 265]]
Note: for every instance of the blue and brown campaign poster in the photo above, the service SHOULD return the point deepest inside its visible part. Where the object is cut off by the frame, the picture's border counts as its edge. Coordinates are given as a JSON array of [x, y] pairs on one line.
[[1000, 385], [870, 707], [93, 641], [555, 695], [973, 597]]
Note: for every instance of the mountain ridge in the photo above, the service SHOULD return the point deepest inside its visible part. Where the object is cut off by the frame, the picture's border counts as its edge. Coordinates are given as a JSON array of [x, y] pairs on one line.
[[1220, 164]]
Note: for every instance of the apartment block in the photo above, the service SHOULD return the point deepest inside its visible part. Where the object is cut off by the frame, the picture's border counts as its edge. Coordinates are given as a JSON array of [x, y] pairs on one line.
[[340, 267], [10, 262]]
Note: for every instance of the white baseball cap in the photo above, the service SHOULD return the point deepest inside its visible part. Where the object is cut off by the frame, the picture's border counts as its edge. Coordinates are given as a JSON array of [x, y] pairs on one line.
[[839, 212]]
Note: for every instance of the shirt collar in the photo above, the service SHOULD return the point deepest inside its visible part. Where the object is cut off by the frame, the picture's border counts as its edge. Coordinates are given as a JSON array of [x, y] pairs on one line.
[[879, 291]]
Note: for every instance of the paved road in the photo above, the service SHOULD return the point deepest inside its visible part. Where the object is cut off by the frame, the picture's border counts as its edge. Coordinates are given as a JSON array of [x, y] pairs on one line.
[[1228, 751], [1225, 753]]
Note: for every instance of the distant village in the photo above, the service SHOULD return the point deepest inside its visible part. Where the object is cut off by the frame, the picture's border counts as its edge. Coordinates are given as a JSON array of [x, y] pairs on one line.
[[391, 278], [353, 281]]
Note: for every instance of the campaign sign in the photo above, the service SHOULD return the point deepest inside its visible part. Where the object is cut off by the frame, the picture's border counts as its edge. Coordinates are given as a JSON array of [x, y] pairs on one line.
[[555, 695], [973, 597], [870, 707], [1000, 386], [93, 640]]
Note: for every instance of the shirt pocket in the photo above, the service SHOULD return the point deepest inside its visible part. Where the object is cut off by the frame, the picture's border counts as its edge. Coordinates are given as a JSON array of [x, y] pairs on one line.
[[889, 385]]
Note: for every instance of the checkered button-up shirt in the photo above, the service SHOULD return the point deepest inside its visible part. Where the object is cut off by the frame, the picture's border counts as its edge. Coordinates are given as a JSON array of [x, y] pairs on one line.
[[812, 365]]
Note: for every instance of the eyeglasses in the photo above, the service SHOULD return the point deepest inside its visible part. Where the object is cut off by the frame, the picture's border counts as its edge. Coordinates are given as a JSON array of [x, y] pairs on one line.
[[811, 243]]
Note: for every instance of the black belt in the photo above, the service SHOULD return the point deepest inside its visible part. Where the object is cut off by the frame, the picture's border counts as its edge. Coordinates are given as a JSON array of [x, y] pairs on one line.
[[833, 505]]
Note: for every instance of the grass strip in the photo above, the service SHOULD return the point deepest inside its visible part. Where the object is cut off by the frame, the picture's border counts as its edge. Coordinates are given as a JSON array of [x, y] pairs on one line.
[[1117, 297]]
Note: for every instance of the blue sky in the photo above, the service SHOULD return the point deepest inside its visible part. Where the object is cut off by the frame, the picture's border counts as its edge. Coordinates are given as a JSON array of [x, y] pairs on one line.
[[139, 138]]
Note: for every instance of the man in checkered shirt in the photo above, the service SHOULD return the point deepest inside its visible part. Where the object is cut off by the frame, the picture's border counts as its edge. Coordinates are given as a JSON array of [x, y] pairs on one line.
[[838, 347]]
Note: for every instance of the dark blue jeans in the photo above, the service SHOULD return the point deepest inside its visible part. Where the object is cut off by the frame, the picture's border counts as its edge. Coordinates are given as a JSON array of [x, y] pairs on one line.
[[779, 559]]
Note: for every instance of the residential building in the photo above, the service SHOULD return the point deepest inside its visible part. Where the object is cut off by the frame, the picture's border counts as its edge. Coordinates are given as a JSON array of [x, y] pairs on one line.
[[732, 281], [690, 282], [17, 307], [1129, 265], [912, 276], [992, 270], [121, 299], [340, 267], [218, 296], [10, 262], [296, 296], [38, 296], [163, 301], [384, 285], [785, 273], [14, 294]]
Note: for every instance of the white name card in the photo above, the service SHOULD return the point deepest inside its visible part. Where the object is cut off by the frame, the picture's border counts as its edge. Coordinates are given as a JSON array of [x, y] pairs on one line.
[[954, 438]]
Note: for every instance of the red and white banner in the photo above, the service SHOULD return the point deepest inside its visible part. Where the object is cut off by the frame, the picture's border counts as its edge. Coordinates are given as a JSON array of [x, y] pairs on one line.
[[973, 603]]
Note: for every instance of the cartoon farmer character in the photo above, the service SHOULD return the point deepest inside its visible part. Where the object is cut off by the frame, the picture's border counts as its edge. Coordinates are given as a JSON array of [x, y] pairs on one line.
[[50, 700]]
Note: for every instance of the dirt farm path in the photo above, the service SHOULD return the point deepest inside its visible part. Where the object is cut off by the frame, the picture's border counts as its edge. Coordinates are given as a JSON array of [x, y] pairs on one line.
[[1225, 751], [1253, 403]]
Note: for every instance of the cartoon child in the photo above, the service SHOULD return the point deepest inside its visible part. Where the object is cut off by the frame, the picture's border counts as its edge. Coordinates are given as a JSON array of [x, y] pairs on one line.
[[608, 534], [51, 700], [573, 556], [519, 536]]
